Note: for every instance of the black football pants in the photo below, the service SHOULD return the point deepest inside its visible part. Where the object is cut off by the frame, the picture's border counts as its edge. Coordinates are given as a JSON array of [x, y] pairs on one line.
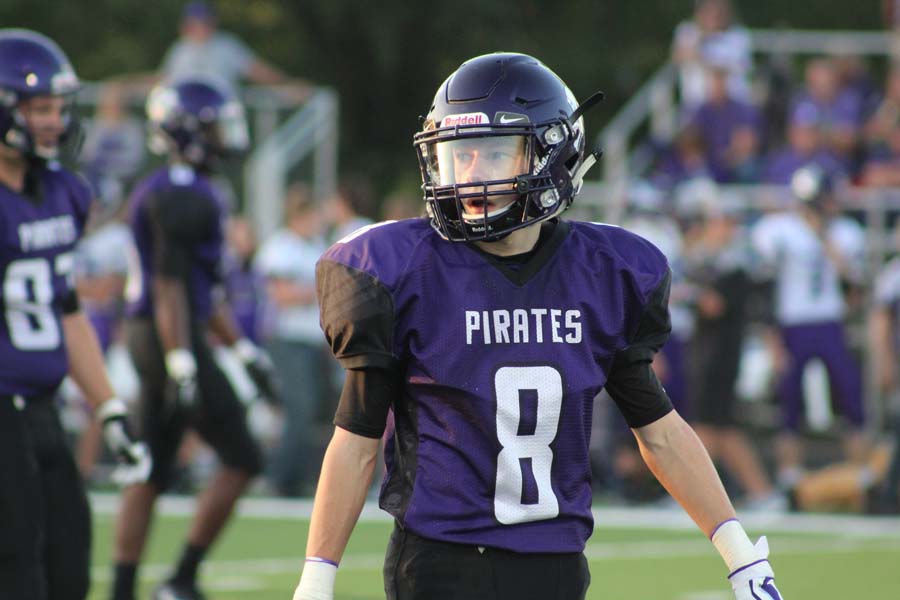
[[45, 523], [417, 568]]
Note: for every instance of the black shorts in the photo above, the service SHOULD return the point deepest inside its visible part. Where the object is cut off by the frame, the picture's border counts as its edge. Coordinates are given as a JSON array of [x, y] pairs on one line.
[[417, 568], [219, 418], [45, 522]]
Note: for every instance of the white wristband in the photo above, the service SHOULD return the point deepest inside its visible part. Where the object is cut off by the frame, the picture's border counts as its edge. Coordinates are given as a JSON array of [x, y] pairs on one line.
[[317, 580], [111, 409], [734, 546], [180, 364]]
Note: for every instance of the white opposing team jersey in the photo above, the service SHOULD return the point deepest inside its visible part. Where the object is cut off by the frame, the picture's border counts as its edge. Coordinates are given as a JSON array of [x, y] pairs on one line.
[[104, 251], [808, 287], [663, 233], [887, 285]]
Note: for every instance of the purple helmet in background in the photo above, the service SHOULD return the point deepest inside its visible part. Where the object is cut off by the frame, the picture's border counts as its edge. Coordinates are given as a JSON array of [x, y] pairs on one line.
[[491, 104], [198, 119], [33, 65]]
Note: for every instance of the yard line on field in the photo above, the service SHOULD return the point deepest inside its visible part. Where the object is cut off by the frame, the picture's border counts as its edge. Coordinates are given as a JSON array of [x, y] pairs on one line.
[[600, 551], [605, 518]]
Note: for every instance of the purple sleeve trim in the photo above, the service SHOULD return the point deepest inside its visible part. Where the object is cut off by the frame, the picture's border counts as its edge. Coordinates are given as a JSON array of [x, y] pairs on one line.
[[735, 572], [321, 560], [718, 526]]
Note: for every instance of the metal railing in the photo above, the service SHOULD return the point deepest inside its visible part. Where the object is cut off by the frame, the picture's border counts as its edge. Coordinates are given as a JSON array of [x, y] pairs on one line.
[[312, 131]]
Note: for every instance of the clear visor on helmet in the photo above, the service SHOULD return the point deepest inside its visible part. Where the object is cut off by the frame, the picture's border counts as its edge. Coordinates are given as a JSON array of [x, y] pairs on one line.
[[477, 159]]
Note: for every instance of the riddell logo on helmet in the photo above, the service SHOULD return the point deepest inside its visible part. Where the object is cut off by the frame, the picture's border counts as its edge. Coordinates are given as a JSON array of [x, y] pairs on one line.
[[465, 119]]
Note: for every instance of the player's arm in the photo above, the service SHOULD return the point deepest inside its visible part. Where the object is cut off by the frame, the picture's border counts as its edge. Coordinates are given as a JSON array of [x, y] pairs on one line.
[[357, 318], [677, 457], [346, 475], [87, 369], [177, 222]]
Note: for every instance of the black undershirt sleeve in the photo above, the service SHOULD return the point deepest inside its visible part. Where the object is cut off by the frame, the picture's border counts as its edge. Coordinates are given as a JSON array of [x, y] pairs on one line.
[[365, 400], [180, 219], [357, 316], [631, 383]]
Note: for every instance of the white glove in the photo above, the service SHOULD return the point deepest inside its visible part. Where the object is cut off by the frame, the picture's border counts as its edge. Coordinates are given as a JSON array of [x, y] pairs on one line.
[[317, 580], [260, 369], [181, 368], [134, 458], [756, 581]]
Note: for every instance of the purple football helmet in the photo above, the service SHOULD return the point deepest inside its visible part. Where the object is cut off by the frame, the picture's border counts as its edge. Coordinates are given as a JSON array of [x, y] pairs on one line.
[[32, 65], [502, 147], [198, 119]]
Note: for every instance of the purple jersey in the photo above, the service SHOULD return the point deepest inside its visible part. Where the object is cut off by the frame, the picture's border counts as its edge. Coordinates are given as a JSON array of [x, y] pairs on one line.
[[500, 369], [37, 240], [176, 211]]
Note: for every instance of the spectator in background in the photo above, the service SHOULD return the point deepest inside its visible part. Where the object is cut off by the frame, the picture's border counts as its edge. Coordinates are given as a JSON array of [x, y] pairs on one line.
[[244, 284], [204, 50], [712, 36], [882, 168], [347, 207], [717, 266], [287, 260], [114, 147], [804, 148], [730, 129], [811, 253], [833, 109], [684, 160]]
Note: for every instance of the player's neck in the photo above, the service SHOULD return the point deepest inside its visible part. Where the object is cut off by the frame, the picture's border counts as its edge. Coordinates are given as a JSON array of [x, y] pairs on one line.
[[12, 169], [518, 242]]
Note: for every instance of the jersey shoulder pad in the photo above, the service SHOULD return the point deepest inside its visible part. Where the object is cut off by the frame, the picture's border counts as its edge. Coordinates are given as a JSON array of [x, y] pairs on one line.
[[622, 251], [382, 250]]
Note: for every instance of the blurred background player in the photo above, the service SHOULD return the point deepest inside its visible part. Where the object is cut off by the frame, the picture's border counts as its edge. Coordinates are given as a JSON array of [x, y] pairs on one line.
[[717, 267], [177, 221], [810, 253], [45, 534]]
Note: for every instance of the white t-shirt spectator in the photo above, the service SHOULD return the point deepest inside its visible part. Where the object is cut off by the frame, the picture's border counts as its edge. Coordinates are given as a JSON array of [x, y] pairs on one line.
[[729, 49], [286, 255], [223, 56]]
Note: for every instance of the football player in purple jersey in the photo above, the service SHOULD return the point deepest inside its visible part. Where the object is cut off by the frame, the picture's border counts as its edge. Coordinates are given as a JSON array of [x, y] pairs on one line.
[[176, 217], [487, 330], [44, 515]]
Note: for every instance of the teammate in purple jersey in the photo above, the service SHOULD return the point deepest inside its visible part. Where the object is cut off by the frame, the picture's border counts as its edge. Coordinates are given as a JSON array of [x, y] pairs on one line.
[[489, 352], [176, 218], [44, 515]]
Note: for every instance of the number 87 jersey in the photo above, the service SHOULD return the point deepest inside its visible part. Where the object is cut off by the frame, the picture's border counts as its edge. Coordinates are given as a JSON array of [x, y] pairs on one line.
[[500, 364], [37, 239]]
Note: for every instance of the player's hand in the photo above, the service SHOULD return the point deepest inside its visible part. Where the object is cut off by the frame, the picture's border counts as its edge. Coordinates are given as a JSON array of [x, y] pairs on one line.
[[756, 581], [133, 456], [182, 370], [260, 369]]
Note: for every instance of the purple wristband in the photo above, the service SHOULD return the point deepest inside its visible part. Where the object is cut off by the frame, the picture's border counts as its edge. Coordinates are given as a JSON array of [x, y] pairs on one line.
[[712, 535], [318, 559]]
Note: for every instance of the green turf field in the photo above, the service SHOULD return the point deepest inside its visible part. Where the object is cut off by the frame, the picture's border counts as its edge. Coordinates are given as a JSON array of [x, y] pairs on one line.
[[259, 559]]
